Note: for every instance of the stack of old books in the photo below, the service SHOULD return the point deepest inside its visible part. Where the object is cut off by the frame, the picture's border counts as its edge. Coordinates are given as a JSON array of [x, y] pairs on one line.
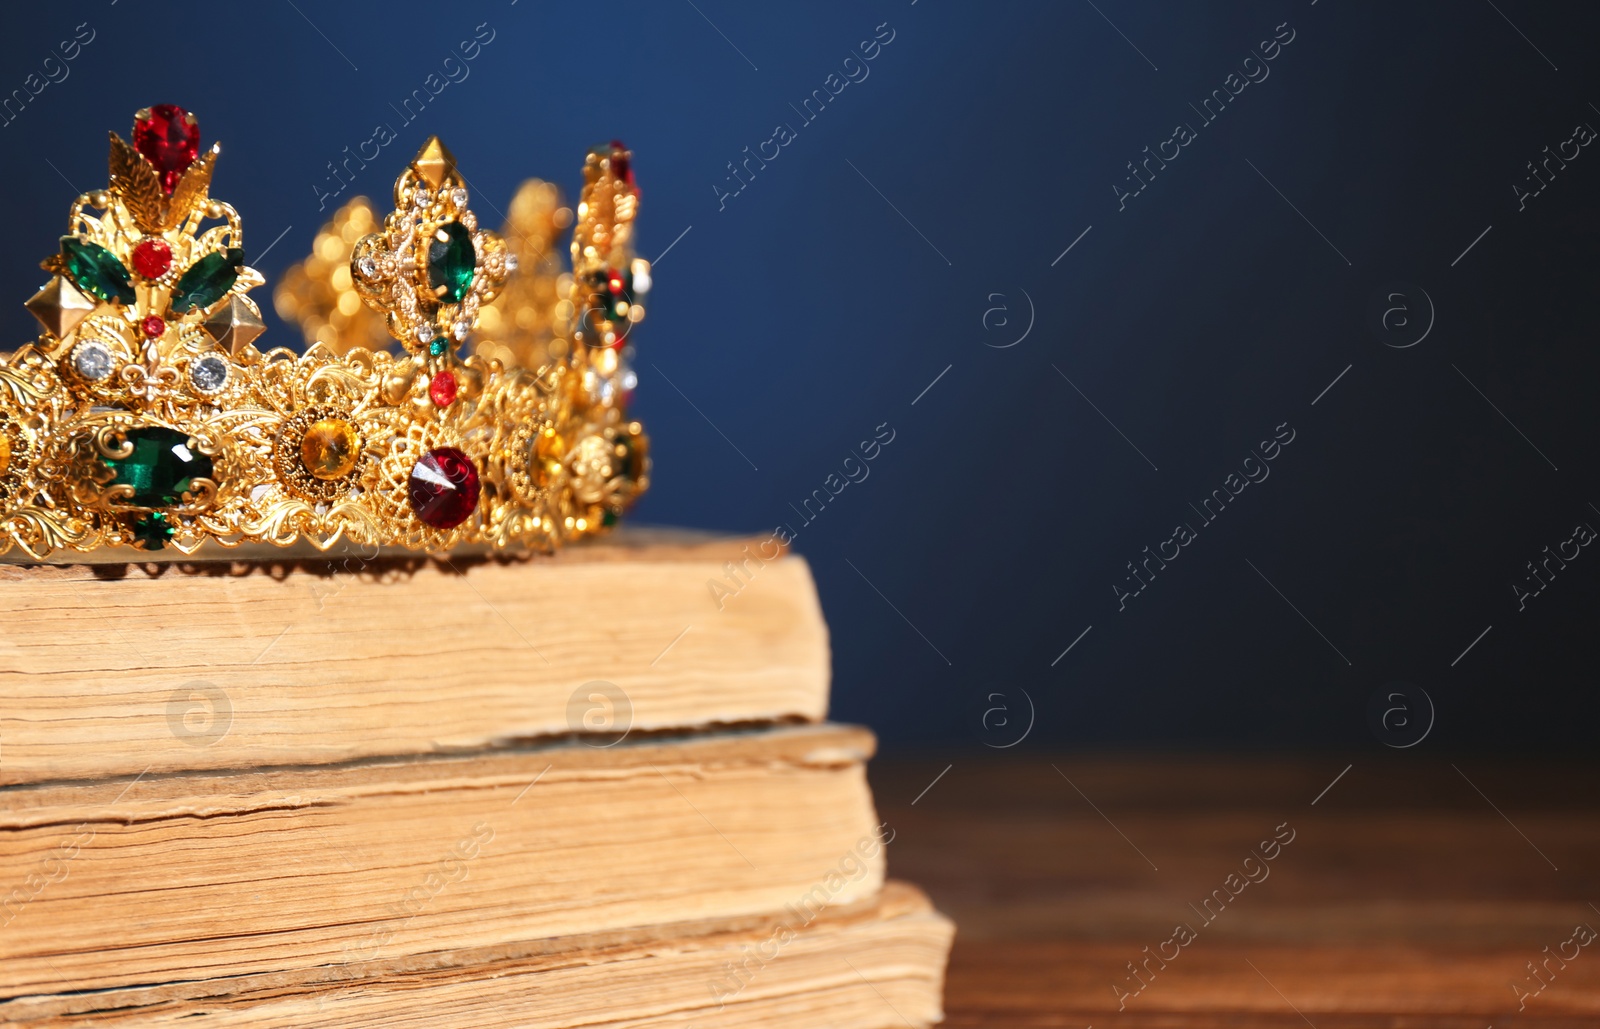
[[594, 789]]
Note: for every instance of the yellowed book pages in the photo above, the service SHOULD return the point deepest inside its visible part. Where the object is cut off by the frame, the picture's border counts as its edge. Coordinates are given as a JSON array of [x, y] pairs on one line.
[[869, 965], [115, 669], [155, 878]]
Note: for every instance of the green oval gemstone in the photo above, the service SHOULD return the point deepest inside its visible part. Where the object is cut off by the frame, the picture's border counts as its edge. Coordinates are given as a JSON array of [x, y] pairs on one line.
[[162, 467], [452, 260], [96, 271], [207, 280]]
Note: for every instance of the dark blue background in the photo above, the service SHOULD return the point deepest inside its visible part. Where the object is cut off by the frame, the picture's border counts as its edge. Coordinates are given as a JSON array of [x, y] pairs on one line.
[[996, 524]]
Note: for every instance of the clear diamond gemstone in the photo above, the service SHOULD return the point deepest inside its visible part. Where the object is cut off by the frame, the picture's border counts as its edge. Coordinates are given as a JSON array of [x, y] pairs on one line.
[[458, 197], [367, 267], [209, 373], [92, 361]]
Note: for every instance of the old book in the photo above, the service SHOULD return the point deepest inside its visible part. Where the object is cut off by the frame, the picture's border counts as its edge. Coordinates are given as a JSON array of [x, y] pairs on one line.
[[117, 669], [123, 882], [871, 964]]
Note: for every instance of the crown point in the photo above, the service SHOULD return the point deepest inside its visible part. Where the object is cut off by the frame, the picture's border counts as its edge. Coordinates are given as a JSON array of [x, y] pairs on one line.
[[621, 161], [169, 138], [235, 324], [60, 307], [434, 162]]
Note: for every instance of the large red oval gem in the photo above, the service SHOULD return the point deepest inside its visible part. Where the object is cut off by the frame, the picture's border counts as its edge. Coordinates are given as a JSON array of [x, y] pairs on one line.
[[169, 138], [444, 488]]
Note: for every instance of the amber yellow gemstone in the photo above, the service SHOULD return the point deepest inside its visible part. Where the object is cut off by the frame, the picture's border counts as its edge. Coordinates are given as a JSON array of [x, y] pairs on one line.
[[548, 450], [330, 448], [549, 446], [5, 453]]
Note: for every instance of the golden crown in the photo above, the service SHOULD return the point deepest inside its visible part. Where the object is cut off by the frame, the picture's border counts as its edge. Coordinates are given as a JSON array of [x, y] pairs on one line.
[[145, 416]]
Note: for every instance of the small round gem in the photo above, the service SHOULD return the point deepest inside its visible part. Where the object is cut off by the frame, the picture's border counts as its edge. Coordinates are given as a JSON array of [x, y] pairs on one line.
[[209, 373], [153, 326], [330, 448], [92, 361], [444, 488], [442, 389], [152, 258], [367, 267], [438, 347]]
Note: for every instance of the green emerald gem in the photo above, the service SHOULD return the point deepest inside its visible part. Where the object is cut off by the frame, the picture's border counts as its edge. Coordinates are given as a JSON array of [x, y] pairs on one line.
[[153, 530], [96, 271], [451, 262], [438, 347], [162, 467], [207, 280]]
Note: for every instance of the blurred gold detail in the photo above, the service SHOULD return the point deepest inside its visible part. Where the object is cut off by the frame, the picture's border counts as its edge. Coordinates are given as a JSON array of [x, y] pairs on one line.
[[319, 293]]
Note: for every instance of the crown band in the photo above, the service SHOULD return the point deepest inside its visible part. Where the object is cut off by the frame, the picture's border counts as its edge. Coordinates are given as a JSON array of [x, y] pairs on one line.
[[145, 416]]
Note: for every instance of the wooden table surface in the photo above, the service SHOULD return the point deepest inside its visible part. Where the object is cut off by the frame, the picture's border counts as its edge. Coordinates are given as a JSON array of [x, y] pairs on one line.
[[1414, 892]]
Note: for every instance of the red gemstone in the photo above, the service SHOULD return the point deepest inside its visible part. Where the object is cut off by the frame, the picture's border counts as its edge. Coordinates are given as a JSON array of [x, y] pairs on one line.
[[152, 257], [620, 162], [444, 488], [442, 390], [169, 138], [153, 326]]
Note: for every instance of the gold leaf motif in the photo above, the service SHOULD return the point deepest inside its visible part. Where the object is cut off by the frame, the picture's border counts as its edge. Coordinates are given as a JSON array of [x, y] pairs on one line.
[[193, 187], [136, 182]]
